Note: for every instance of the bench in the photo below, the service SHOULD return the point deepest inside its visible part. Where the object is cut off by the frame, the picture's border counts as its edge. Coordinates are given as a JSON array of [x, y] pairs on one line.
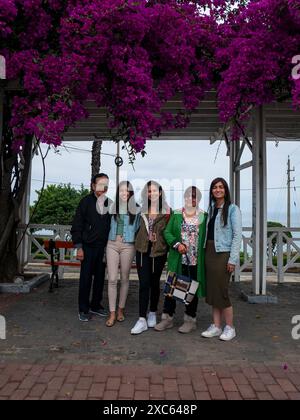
[[54, 247]]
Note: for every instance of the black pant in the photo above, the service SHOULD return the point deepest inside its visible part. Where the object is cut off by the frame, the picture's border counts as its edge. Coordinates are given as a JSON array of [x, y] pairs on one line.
[[149, 272], [191, 309], [92, 268]]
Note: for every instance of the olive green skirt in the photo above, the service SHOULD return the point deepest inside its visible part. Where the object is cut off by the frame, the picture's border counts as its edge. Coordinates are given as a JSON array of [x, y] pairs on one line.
[[217, 277]]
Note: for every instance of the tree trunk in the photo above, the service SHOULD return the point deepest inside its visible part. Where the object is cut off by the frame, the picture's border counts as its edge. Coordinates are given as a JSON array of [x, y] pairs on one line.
[[14, 172], [96, 157]]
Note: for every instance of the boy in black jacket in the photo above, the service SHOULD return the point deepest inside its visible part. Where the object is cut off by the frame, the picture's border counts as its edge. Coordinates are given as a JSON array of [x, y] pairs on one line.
[[90, 232]]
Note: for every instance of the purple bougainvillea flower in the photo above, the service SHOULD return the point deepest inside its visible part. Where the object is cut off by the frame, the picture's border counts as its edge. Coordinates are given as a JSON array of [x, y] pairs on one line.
[[132, 57]]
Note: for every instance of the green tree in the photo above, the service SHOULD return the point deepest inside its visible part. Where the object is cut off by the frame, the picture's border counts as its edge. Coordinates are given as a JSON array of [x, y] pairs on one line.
[[273, 249], [57, 204]]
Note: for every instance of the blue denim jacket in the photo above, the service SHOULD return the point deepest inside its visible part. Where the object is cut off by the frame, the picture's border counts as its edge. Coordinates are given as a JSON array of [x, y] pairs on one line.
[[228, 238], [129, 232]]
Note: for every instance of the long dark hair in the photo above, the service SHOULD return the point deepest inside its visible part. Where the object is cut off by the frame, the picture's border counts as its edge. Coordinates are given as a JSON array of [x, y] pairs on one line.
[[146, 203], [227, 203], [131, 203]]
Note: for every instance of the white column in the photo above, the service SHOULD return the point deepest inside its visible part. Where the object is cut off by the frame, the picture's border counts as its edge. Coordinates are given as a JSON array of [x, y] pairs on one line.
[[235, 175], [118, 167], [23, 250], [259, 274], [235, 185]]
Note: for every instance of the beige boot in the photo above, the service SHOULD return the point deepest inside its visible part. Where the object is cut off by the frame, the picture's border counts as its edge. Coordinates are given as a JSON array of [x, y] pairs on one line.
[[165, 323], [188, 326]]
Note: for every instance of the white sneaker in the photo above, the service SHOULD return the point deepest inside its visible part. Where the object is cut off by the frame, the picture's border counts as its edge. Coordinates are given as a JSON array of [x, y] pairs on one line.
[[212, 332], [151, 319], [140, 326], [229, 334]]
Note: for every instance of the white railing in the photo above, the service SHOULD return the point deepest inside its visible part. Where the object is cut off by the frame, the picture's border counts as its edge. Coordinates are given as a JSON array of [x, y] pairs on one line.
[[283, 251], [34, 237], [283, 247]]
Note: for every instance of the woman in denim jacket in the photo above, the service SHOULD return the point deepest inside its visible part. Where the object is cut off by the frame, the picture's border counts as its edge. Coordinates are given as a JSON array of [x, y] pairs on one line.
[[125, 222], [223, 244]]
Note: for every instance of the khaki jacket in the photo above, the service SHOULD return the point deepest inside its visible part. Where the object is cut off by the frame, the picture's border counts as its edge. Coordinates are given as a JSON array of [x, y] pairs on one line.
[[160, 246]]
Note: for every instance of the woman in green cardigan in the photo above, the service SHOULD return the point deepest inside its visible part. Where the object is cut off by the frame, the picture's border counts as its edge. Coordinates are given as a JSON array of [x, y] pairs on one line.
[[185, 234]]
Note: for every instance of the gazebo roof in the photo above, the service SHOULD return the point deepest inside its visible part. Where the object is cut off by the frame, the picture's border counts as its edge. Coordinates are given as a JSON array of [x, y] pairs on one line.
[[282, 122]]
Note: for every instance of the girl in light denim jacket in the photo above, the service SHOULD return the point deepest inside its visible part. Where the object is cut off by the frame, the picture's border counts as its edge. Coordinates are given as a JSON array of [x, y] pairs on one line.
[[125, 222], [223, 244]]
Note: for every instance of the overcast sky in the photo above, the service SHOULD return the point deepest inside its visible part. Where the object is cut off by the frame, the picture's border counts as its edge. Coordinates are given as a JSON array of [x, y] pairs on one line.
[[177, 165]]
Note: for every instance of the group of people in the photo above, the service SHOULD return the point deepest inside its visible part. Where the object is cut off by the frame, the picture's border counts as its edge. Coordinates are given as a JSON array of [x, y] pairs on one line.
[[203, 245]]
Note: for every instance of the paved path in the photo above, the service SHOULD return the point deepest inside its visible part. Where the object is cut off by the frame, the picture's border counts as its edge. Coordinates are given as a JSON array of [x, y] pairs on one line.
[[49, 354], [59, 381]]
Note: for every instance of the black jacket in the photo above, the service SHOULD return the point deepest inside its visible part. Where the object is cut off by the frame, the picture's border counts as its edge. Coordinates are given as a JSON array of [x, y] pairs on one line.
[[89, 227]]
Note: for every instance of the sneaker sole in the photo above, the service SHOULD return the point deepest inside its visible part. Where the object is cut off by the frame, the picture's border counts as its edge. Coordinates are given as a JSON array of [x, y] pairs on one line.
[[137, 333], [226, 340], [102, 315], [214, 336], [83, 320], [167, 328], [187, 332]]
